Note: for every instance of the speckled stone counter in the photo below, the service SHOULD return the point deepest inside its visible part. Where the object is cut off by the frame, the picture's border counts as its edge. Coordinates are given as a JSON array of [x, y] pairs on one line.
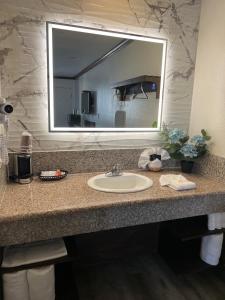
[[44, 210]]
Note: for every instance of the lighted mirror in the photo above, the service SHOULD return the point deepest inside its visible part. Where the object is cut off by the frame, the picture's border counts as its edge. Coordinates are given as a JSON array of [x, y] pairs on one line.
[[103, 80]]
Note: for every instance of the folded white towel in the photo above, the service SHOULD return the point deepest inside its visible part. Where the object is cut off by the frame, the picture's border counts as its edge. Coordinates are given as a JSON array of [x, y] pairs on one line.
[[176, 182], [216, 221], [211, 248], [34, 252], [15, 286], [41, 283]]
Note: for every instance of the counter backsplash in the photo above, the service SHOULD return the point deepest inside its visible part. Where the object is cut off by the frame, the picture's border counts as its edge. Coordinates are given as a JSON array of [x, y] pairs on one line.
[[2, 180], [211, 165], [87, 161], [103, 160]]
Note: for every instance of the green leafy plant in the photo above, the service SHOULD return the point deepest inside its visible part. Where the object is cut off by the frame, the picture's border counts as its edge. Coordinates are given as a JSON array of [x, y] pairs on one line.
[[154, 124], [181, 146]]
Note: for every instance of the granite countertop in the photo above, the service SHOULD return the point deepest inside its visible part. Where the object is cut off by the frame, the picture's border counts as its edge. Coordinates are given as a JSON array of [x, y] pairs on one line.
[[44, 210]]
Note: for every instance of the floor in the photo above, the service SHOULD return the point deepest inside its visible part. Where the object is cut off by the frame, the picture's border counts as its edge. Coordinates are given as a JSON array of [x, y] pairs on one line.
[[145, 277], [137, 263]]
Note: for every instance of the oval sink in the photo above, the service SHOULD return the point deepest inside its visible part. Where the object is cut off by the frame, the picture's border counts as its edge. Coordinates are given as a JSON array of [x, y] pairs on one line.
[[125, 183]]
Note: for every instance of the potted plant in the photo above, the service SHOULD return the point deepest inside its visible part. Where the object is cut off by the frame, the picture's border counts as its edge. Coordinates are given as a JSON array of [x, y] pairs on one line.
[[181, 147]]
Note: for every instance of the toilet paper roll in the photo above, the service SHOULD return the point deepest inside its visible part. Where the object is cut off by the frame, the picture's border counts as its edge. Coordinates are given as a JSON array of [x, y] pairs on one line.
[[15, 286], [41, 283]]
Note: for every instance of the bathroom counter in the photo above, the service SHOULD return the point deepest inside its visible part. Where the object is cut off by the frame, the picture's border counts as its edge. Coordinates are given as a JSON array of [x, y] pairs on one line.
[[44, 210]]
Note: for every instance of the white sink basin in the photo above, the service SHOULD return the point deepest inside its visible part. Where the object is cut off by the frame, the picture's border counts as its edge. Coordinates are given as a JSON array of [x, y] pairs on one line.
[[125, 183]]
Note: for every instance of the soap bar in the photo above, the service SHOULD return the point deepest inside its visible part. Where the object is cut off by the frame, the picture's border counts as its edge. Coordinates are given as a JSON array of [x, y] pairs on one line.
[[51, 173]]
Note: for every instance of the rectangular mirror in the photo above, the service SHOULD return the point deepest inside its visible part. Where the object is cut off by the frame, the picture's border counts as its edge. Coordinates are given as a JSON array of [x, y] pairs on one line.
[[103, 80]]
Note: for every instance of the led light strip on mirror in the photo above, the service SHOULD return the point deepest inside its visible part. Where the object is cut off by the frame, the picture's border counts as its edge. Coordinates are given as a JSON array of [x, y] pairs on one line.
[[126, 38]]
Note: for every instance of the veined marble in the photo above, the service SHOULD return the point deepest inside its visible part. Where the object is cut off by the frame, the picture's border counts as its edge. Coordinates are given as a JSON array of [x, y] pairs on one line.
[[23, 62]]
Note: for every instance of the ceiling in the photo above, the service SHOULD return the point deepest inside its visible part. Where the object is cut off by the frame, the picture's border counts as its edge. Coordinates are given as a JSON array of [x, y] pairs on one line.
[[73, 51]]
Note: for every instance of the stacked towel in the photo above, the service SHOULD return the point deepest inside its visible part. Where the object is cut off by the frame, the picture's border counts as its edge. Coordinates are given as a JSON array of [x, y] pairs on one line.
[[211, 248], [32, 284], [216, 221], [15, 286], [33, 252], [176, 182], [211, 245], [41, 283]]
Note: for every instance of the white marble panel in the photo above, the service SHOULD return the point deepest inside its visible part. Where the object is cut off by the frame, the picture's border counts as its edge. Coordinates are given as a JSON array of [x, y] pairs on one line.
[[23, 61]]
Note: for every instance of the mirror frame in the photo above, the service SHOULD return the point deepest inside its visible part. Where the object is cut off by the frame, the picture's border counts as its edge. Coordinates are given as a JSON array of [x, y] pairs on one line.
[[50, 27]]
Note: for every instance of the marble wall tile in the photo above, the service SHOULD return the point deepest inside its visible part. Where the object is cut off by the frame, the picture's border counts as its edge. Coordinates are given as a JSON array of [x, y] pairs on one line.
[[23, 62]]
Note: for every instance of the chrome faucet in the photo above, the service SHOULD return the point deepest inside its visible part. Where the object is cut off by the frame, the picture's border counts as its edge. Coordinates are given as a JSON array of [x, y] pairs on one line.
[[114, 172]]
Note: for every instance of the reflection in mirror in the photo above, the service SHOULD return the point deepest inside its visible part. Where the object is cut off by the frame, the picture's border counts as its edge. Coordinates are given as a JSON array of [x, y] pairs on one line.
[[104, 81]]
